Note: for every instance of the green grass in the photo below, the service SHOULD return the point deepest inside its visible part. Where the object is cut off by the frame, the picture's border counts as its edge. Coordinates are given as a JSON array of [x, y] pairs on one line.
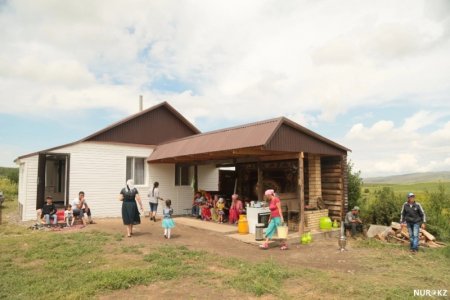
[[419, 189], [83, 265]]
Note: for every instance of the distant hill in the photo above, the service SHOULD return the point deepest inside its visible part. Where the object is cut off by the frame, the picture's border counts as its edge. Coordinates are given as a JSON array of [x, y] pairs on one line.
[[411, 178]]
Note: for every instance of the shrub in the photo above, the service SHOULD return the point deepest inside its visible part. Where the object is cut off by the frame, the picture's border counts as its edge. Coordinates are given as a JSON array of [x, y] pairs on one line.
[[386, 207], [366, 190], [9, 188], [354, 185], [437, 210]]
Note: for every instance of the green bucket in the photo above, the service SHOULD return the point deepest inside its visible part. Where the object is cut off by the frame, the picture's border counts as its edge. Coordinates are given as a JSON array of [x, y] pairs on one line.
[[325, 223]]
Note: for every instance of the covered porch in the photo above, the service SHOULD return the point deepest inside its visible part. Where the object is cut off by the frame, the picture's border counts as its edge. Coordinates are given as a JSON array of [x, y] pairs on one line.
[[306, 170]]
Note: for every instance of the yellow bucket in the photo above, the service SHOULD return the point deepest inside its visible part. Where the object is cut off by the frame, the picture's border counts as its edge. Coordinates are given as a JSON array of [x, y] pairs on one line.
[[282, 231]]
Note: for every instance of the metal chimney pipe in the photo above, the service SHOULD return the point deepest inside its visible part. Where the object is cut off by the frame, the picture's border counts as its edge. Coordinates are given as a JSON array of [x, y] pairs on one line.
[[141, 103]]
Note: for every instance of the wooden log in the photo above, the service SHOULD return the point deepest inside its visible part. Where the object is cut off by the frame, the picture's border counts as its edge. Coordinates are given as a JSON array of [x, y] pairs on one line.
[[332, 197], [432, 244], [399, 239], [331, 186], [380, 237], [331, 192], [428, 235], [404, 233], [331, 180]]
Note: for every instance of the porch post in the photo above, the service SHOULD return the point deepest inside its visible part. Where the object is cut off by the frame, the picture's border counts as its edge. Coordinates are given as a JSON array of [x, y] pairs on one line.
[[301, 192], [260, 182], [195, 178]]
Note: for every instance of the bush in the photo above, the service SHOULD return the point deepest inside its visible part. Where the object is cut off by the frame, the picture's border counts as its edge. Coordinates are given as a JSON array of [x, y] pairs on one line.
[[9, 188], [354, 186], [366, 190], [10, 173], [437, 210], [385, 209]]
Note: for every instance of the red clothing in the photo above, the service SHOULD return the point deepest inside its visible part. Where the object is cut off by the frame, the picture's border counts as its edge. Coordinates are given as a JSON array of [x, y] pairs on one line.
[[274, 212], [235, 210]]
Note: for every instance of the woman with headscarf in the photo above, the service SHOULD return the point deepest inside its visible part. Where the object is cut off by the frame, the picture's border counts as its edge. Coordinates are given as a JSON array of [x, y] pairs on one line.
[[275, 220], [129, 195]]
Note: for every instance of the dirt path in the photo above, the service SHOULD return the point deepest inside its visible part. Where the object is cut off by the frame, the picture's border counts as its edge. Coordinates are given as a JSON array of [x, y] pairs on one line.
[[322, 254]]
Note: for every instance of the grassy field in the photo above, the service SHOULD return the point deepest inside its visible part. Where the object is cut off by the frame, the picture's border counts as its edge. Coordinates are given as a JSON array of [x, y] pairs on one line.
[[420, 189], [89, 265], [85, 265]]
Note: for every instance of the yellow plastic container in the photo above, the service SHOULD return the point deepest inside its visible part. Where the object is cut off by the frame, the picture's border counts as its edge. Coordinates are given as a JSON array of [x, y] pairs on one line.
[[282, 231], [243, 224]]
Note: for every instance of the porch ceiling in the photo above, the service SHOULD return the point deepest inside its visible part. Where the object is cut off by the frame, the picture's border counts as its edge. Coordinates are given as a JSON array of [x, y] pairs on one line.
[[229, 156]]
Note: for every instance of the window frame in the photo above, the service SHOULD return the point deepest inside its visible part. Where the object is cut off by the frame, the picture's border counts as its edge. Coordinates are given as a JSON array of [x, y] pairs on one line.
[[180, 171], [133, 169]]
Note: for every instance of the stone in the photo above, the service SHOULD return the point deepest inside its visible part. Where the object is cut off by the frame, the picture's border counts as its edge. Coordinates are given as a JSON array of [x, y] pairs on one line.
[[376, 229]]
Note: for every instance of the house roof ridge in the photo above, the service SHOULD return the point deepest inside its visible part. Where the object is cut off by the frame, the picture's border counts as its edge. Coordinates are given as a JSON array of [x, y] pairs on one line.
[[225, 129]]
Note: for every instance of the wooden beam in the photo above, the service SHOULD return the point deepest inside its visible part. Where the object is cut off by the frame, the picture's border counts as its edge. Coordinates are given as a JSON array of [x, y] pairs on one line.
[[301, 191], [260, 182], [195, 178]]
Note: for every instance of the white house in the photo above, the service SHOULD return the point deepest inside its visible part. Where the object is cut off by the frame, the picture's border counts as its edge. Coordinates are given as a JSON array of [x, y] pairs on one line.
[[101, 163]]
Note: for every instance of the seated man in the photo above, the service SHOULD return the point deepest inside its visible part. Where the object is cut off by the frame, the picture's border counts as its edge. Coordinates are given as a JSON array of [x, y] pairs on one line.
[[49, 211], [353, 222], [80, 207]]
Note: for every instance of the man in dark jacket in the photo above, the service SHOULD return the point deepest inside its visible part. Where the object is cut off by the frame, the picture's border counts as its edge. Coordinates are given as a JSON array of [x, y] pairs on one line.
[[413, 217], [49, 210]]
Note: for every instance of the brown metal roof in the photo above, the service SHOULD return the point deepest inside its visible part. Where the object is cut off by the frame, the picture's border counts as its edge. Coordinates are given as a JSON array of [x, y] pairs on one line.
[[152, 126], [274, 136]]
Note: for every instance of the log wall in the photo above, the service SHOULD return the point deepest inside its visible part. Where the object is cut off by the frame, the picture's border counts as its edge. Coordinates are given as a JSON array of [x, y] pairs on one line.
[[334, 185]]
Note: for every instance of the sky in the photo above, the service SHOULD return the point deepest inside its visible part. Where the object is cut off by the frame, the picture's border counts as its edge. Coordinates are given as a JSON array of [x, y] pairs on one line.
[[373, 76]]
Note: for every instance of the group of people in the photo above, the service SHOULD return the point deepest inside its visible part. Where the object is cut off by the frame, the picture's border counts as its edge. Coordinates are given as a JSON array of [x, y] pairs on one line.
[[412, 217], [209, 208], [213, 208], [130, 198], [78, 208]]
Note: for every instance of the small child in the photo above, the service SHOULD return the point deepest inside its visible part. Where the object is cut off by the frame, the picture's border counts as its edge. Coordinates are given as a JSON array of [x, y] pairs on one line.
[[68, 215], [220, 208], [167, 222]]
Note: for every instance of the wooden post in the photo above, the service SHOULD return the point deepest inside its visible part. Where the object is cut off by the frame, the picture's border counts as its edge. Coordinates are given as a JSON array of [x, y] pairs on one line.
[[195, 179], [301, 193], [260, 182]]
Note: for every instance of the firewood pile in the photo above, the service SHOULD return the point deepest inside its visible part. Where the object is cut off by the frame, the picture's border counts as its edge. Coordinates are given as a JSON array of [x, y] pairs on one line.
[[396, 234]]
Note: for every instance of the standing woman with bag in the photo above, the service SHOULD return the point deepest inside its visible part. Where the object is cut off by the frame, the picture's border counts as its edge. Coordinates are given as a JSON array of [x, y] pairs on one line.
[[129, 195], [153, 197], [276, 219]]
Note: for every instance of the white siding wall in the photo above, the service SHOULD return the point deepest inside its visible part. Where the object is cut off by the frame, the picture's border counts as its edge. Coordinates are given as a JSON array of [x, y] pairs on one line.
[[99, 169], [181, 196], [208, 177], [28, 188]]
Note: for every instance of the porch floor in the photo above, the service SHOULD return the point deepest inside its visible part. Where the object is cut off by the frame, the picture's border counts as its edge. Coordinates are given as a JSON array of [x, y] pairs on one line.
[[231, 231]]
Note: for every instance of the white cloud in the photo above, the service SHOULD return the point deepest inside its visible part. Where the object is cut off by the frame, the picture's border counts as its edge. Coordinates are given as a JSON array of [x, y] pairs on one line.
[[312, 61], [307, 56], [384, 148]]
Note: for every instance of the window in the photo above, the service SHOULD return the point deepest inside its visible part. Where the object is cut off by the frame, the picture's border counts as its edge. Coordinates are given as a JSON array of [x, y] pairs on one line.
[[135, 170], [182, 175]]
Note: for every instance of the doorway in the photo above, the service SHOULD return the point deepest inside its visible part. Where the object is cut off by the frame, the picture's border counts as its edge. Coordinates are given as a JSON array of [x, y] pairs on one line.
[[53, 179]]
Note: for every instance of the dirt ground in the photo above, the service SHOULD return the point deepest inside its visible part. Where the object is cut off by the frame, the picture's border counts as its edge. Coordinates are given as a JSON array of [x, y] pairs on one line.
[[149, 235], [315, 255]]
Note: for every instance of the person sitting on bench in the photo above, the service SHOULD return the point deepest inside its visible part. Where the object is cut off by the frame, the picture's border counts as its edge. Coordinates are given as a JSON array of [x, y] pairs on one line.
[[353, 222], [80, 207], [49, 211]]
